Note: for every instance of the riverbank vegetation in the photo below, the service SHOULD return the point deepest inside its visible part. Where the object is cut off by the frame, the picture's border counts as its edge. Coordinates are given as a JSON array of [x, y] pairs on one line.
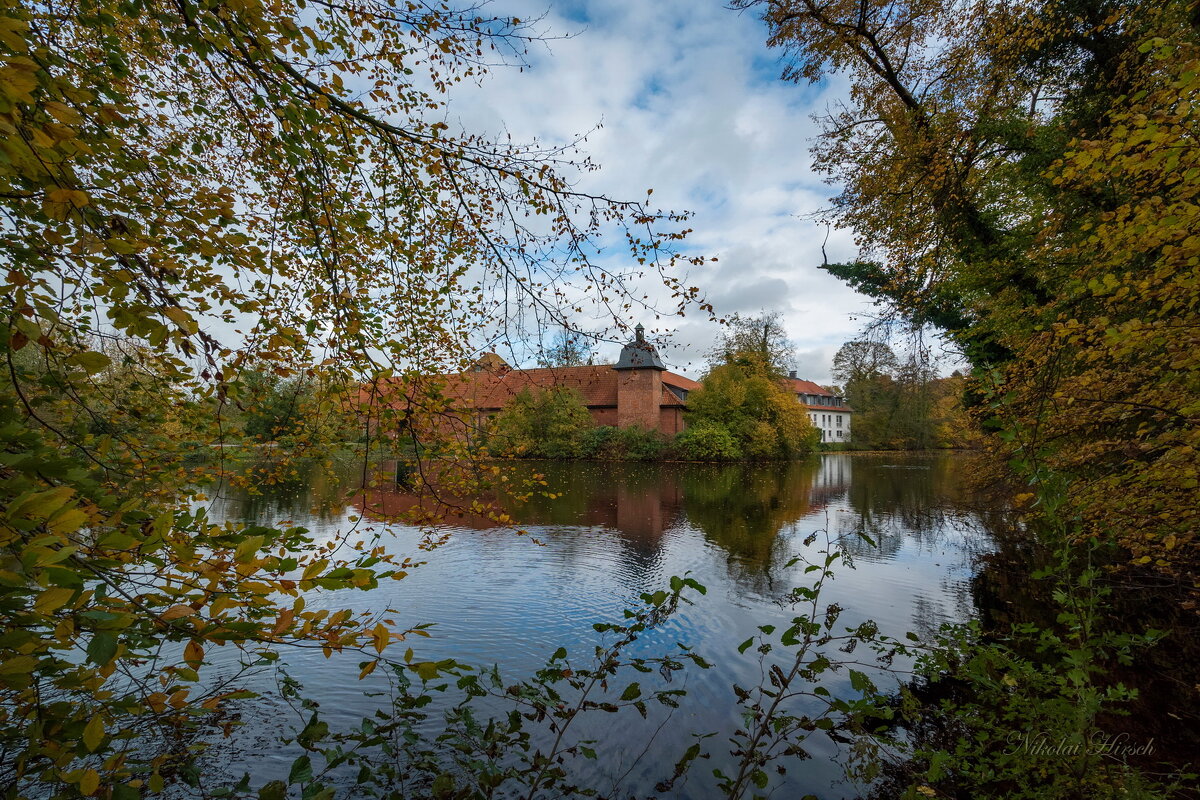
[[1024, 180], [231, 218], [901, 405], [221, 222], [743, 408]]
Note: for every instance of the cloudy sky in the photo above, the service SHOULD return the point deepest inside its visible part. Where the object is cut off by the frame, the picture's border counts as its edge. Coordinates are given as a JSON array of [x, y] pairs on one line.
[[688, 102]]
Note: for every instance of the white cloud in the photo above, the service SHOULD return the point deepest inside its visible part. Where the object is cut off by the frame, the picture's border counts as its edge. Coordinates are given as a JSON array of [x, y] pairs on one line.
[[690, 105]]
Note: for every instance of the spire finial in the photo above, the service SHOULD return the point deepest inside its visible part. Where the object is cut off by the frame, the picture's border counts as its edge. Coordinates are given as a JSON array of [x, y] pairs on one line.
[[639, 332]]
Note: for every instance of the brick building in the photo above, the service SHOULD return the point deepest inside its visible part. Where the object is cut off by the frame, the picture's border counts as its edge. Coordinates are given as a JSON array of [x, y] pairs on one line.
[[636, 391]]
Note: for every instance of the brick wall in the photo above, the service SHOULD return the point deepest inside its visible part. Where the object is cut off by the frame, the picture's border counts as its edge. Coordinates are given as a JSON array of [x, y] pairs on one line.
[[670, 421], [604, 416], [639, 396]]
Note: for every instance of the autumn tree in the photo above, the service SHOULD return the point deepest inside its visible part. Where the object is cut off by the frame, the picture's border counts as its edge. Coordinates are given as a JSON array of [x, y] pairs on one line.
[[863, 360], [743, 411], [231, 190], [892, 400], [760, 339], [1023, 177], [548, 423]]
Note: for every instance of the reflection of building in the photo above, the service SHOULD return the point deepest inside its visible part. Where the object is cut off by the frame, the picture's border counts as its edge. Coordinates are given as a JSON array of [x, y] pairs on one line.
[[640, 502], [828, 411], [831, 480]]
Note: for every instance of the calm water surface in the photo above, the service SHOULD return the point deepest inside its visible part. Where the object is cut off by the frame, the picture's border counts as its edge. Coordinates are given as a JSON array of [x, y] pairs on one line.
[[495, 597]]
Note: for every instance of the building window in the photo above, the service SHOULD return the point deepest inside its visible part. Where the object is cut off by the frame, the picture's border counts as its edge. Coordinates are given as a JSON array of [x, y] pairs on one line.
[[839, 416], [839, 434]]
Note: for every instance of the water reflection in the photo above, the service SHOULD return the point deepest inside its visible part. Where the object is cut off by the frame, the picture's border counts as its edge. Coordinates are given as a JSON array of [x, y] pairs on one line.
[[621, 529], [741, 508]]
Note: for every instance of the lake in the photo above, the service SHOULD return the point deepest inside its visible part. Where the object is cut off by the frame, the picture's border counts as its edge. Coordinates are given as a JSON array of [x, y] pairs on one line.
[[494, 596]]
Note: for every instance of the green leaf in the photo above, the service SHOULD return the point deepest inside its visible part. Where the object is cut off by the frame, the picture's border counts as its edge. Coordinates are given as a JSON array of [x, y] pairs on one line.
[[744, 646], [41, 505], [301, 771], [443, 785], [247, 549], [313, 732], [275, 790], [91, 362], [632, 691], [93, 733], [102, 649], [860, 682]]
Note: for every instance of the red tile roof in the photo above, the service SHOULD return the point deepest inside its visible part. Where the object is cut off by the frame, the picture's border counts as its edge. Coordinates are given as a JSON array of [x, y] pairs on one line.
[[687, 384], [493, 388], [802, 386], [488, 389]]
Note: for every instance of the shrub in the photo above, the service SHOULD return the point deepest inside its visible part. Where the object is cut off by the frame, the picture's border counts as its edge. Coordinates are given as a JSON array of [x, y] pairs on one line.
[[599, 442], [642, 444], [549, 424], [708, 442], [622, 444]]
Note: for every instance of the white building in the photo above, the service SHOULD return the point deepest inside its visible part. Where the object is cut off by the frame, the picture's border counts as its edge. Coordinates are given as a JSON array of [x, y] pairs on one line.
[[828, 412]]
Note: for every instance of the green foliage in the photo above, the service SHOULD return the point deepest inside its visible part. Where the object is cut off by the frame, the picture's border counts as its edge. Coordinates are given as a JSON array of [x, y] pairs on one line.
[[1025, 178], [222, 209], [793, 701], [899, 405], [1048, 696], [277, 408], [525, 746], [81, 587], [702, 441], [634, 443], [549, 423], [742, 404], [1050, 234]]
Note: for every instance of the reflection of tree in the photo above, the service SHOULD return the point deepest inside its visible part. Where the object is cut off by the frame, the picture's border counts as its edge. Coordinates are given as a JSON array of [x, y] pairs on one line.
[[900, 497], [928, 617], [742, 508], [318, 487]]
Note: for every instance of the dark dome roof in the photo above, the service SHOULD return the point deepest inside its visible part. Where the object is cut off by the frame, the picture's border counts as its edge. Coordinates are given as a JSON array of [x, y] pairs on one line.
[[639, 354]]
